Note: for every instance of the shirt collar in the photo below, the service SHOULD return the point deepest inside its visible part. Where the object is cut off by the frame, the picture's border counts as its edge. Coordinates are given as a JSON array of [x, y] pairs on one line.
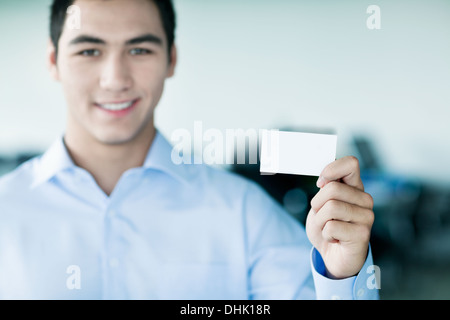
[[57, 159], [159, 157], [53, 161]]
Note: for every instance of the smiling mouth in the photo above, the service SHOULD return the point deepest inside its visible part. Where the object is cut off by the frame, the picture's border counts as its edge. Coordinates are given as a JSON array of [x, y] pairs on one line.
[[116, 106], [118, 109]]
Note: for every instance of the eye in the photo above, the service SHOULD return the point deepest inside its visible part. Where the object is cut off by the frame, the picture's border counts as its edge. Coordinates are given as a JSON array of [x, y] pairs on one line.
[[140, 51], [90, 53]]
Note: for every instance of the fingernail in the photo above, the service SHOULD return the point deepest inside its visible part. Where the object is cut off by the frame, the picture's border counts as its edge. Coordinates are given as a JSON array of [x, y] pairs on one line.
[[320, 182]]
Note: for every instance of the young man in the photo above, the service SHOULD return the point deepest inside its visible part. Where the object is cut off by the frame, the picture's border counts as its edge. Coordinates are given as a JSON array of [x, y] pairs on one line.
[[106, 214]]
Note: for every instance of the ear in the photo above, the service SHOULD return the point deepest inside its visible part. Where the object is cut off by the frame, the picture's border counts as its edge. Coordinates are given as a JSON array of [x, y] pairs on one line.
[[51, 60], [173, 61]]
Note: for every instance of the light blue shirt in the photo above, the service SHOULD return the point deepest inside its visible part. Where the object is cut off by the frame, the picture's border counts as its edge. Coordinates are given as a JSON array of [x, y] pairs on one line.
[[166, 232]]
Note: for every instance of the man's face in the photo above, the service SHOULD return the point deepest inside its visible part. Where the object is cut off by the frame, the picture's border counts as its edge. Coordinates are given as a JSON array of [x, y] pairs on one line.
[[113, 69]]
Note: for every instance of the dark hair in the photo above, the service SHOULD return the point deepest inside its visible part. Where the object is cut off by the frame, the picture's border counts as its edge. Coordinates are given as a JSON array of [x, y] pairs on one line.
[[59, 10]]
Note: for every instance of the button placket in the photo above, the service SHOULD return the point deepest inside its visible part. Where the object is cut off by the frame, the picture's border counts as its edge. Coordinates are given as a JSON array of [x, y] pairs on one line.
[[115, 244]]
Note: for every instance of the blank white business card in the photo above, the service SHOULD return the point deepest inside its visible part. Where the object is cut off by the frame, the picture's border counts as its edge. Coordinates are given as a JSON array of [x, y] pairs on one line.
[[296, 152]]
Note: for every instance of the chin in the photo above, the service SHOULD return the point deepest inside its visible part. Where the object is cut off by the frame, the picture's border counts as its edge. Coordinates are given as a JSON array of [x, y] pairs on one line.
[[122, 135], [114, 139]]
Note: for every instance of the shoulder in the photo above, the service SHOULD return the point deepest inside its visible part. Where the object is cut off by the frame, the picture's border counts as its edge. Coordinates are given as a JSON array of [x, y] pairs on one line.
[[267, 222], [234, 190]]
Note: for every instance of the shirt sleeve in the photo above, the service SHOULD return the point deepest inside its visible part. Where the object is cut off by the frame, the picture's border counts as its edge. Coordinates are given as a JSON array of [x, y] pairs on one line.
[[364, 286], [277, 250]]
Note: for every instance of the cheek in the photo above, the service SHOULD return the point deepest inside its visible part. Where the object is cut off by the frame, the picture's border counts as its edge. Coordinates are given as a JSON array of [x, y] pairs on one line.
[[78, 74], [77, 82], [150, 79]]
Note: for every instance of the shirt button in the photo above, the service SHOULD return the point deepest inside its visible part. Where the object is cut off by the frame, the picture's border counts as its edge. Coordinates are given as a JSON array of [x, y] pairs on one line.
[[360, 292], [113, 262]]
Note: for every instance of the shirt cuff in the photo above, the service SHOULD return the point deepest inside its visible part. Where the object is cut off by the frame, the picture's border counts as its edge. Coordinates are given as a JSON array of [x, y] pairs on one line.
[[364, 286]]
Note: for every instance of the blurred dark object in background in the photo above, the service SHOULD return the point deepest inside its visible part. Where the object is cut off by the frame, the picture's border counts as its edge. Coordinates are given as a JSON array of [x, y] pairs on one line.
[[294, 193], [9, 163], [411, 232]]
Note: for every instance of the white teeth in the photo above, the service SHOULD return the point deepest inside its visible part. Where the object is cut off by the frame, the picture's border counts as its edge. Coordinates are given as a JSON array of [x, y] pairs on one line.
[[116, 107]]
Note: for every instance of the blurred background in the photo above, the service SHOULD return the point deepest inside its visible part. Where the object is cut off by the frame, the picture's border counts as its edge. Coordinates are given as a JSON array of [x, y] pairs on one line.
[[299, 65]]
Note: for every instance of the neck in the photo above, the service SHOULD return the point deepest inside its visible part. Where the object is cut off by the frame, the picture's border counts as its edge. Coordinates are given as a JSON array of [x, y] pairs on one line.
[[107, 162]]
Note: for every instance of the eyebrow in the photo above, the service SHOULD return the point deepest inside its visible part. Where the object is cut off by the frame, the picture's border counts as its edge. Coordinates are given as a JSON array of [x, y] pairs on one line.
[[141, 39]]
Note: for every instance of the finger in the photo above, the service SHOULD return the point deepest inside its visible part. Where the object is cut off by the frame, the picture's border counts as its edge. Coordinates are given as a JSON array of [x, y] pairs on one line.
[[342, 192], [334, 210], [314, 229], [345, 169], [339, 231], [342, 211]]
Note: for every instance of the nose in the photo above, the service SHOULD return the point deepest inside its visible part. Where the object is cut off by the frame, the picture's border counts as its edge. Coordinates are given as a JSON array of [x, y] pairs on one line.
[[115, 76]]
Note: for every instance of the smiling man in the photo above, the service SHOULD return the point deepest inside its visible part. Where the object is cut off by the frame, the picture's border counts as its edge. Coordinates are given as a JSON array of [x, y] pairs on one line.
[[105, 214]]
